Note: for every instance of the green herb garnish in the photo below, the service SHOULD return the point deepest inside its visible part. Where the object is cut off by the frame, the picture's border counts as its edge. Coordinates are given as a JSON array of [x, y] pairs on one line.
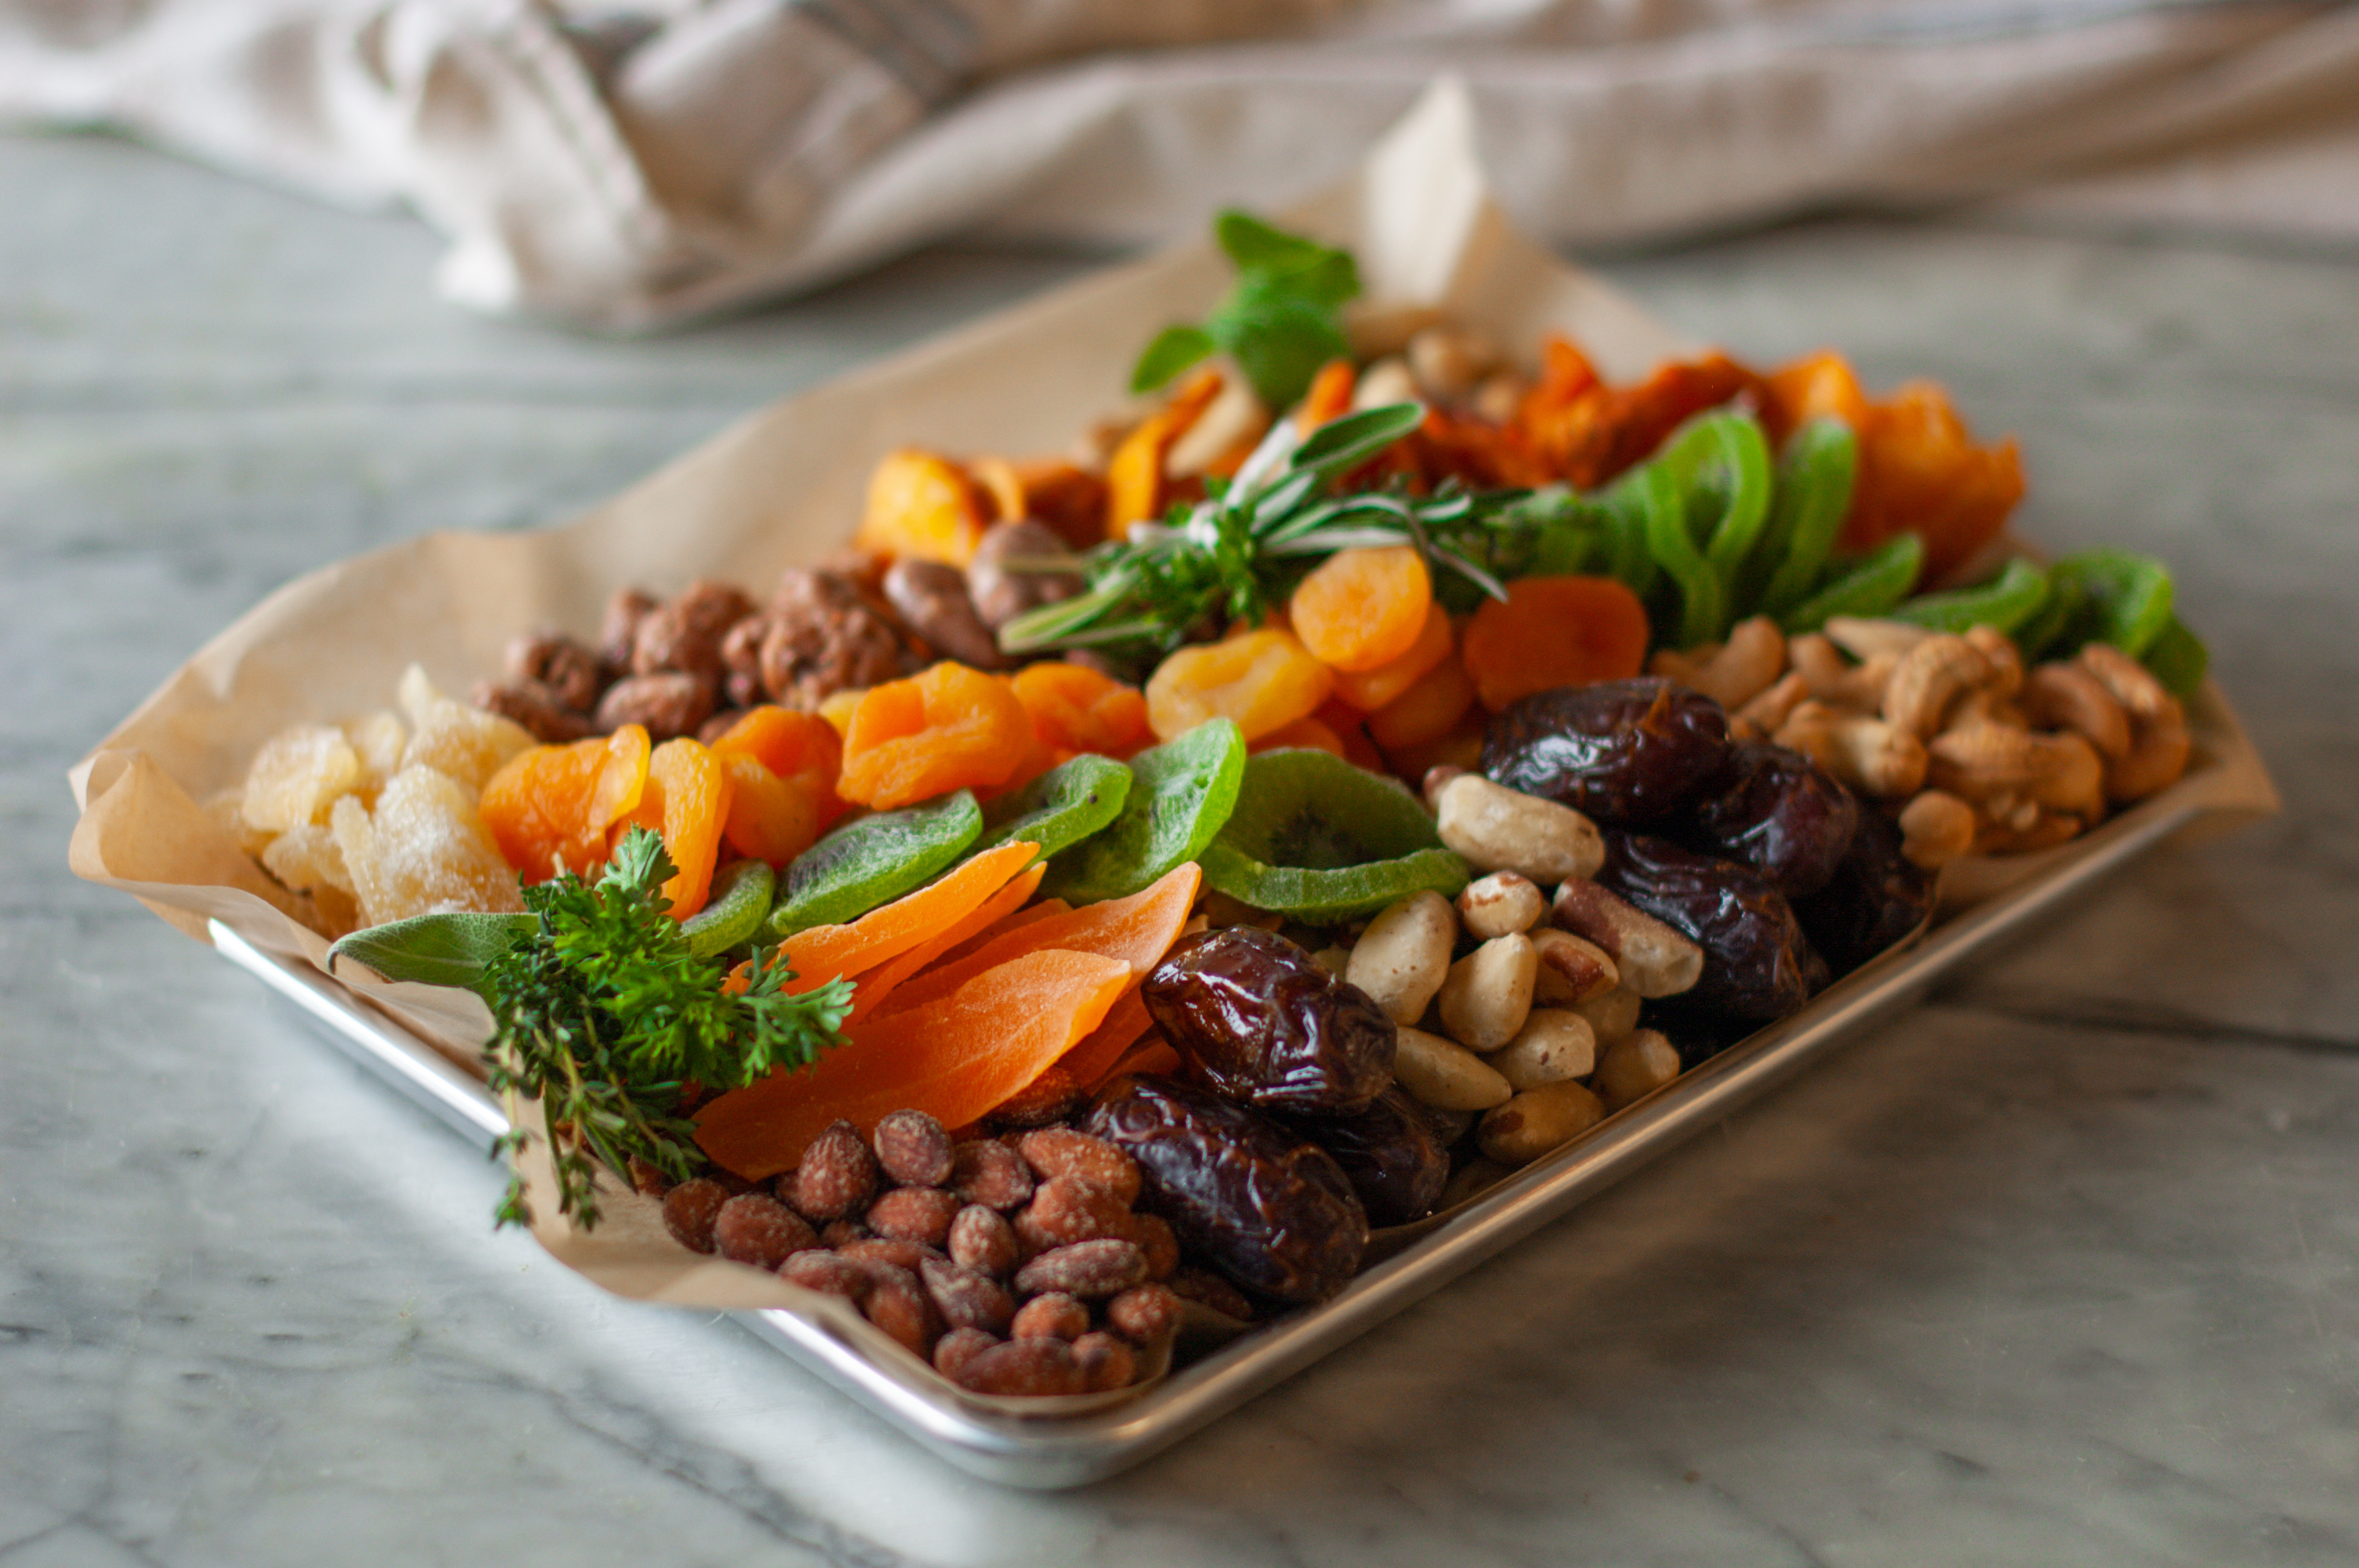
[[1240, 552], [606, 1015], [1281, 321]]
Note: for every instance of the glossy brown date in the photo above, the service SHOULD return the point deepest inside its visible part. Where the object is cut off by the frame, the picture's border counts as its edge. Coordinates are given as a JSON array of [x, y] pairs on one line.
[[1781, 814], [1272, 1213], [1876, 897], [1756, 962], [1391, 1151], [1257, 1020], [1625, 753]]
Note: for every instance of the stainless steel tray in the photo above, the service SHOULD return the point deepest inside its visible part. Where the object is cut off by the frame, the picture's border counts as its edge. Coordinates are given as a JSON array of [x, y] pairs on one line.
[[1070, 1451]]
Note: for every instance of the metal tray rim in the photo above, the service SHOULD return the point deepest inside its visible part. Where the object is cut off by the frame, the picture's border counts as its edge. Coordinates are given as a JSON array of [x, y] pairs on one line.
[[1051, 1453]]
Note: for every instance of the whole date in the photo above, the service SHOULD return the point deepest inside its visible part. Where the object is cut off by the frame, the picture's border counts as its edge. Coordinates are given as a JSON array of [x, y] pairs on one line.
[[1257, 1020], [1627, 754]]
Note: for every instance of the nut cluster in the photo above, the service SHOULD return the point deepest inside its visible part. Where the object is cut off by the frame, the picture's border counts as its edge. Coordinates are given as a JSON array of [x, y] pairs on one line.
[[1016, 1266], [1971, 752], [691, 664], [1516, 1005]]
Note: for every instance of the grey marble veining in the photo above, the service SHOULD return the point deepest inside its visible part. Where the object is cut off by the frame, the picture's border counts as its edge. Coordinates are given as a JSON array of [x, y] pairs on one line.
[[2061, 1268]]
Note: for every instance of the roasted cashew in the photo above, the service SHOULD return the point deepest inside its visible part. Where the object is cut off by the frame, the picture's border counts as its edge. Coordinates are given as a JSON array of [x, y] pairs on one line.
[[1864, 639], [1936, 828], [1928, 678], [1753, 657], [2160, 743], [2059, 772], [2067, 697], [1833, 679], [1869, 754]]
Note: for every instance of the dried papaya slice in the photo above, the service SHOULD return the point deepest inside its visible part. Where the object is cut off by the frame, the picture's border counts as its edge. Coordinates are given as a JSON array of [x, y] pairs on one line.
[[956, 1060]]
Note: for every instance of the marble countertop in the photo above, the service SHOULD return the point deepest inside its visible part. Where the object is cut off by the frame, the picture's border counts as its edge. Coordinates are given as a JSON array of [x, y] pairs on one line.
[[2060, 1267]]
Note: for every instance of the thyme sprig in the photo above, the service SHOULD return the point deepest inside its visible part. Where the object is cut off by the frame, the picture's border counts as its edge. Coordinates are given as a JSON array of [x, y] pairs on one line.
[[1239, 552], [602, 1013]]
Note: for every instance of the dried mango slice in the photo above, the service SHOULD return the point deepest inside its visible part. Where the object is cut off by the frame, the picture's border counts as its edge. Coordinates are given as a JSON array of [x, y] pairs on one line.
[[1320, 840]]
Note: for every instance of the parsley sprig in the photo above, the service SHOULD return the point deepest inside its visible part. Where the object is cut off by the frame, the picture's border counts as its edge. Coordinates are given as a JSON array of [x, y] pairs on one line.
[[602, 1013]]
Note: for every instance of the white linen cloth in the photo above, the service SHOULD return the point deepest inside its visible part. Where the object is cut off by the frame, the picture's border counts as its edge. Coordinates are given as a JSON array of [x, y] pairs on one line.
[[622, 164]]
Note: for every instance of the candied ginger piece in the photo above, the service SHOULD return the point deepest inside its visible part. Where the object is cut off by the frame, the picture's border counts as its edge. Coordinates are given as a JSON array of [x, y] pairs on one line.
[[424, 849], [456, 740], [306, 858], [297, 776], [379, 738]]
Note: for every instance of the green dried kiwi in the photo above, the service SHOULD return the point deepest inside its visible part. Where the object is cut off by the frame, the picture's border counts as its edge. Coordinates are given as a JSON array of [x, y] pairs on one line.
[[2007, 602], [1180, 792], [874, 860], [732, 911], [1316, 838], [1058, 809], [1870, 585]]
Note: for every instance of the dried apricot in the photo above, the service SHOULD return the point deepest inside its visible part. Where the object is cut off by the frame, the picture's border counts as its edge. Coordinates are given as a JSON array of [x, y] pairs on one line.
[[1135, 489], [687, 801], [1552, 632], [950, 727], [798, 747], [1265, 680], [1368, 690], [1426, 710], [1075, 709], [770, 818], [923, 506], [1303, 732], [1364, 607], [549, 808]]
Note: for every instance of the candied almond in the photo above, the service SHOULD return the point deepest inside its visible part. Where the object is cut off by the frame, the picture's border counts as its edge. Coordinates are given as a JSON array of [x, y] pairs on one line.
[[953, 1350], [878, 1250], [968, 1298], [987, 1172], [691, 1209], [837, 1174], [899, 1305], [823, 1271], [1053, 1316], [913, 1150], [756, 1229], [1106, 1363], [914, 1214], [1085, 1269], [981, 1237], [1064, 1210], [1144, 1314], [1056, 1151], [1156, 1244], [1023, 1368]]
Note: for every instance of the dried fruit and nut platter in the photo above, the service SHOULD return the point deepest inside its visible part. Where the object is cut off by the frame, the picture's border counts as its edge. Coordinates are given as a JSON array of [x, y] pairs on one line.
[[1129, 918]]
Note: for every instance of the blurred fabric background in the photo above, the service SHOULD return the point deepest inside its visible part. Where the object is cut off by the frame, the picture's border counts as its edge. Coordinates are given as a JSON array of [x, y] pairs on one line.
[[623, 164]]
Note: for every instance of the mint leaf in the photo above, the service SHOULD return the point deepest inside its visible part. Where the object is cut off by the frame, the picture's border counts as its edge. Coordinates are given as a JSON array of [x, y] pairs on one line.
[[1173, 351], [1278, 339], [1255, 245]]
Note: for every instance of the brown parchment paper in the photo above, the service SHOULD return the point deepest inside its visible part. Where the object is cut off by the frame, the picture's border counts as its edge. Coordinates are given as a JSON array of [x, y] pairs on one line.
[[782, 487]]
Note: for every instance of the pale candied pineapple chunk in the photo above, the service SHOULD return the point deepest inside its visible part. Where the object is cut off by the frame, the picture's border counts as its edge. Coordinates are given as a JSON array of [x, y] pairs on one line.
[[379, 738], [306, 858], [424, 849], [297, 776], [456, 740]]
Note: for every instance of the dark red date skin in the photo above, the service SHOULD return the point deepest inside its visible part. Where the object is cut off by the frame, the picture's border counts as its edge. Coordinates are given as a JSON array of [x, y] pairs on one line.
[[1756, 962], [1623, 753], [1781, 814], [1272, 1213], [1257, 1020], [1875, 898], [1390, 1152]]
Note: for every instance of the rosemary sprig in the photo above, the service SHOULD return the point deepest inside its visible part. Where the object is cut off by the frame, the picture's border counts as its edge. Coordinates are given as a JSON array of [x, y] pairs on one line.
[[602, 1013], [1239, 552]]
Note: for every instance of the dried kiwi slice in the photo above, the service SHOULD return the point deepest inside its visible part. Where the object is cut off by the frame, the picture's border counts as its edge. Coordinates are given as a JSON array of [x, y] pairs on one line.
[[1316, 838], [873, 860], [1180, 792], [732, 912], [1060, 808]]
